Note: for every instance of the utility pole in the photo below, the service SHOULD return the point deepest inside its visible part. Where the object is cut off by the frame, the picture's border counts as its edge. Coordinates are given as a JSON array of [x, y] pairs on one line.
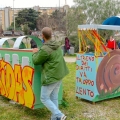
[[0, 22], [66, 17], [13, 15], [65, 2], [59, 16], [59, 5]]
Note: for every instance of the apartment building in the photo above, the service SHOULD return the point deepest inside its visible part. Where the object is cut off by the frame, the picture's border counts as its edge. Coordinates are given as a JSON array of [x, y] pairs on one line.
[[7, 14]]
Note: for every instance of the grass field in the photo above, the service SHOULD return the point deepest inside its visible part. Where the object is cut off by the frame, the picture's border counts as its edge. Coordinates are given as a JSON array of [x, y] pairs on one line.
[[76, 110]]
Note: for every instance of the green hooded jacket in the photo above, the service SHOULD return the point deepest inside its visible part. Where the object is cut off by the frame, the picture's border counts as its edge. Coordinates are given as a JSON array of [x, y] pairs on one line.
[[50, 56]]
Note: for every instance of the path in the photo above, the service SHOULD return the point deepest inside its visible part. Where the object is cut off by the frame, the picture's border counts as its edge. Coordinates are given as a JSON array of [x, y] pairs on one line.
[[70, 59]]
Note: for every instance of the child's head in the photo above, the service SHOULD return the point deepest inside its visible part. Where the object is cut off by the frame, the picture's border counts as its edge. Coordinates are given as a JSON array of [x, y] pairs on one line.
[[111, 37]]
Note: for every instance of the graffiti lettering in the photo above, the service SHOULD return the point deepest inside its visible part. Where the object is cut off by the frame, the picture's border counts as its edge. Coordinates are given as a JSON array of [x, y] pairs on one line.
[[79, 80], [83, 74], [85, 68], [16, 83], [84, 63], [85, 82], [88, 82], [86, 58], [82, 91]]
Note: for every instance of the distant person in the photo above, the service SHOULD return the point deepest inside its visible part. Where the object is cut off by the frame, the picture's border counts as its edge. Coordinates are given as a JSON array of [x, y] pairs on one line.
[[33, 44], [30, 32], [67, 45], [111, 43], [2, 32], [119, 44], [42, 41], [12, 32]]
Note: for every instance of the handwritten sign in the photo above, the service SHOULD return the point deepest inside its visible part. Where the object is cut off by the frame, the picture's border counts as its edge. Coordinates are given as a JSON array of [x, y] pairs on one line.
[[85, 76]]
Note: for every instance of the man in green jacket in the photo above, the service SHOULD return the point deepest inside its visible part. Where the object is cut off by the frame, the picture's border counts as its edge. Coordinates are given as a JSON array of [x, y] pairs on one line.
[[54, 69]]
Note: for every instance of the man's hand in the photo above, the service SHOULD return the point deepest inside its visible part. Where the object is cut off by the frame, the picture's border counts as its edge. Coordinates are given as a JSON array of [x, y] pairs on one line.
[[35, 50]]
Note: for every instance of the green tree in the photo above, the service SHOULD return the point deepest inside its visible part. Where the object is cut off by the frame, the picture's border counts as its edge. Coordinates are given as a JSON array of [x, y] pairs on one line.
[[73, 18], [11, 27], [27, 16], [26, 29], [96, 11], [90, 12]]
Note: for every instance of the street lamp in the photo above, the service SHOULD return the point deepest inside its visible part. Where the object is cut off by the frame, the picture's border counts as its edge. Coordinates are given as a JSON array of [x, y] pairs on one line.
[[13, 15], [59, 5]]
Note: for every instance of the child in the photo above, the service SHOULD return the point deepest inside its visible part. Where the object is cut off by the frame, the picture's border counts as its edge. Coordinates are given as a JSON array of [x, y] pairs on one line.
[[111, 43]]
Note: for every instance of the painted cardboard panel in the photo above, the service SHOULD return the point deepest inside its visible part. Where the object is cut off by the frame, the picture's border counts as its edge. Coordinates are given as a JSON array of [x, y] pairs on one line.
[[98, 78], [20, 79], [15, 59], [7, 58], [86, 76], [15, 81], [0, 57], [25, 61]]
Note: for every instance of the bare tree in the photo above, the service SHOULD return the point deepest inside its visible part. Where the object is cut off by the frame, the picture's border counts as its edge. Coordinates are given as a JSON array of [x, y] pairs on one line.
[[54, 21]]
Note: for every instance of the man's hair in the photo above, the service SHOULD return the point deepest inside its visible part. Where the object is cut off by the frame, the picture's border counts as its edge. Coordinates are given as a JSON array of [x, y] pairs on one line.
[[47, 32]]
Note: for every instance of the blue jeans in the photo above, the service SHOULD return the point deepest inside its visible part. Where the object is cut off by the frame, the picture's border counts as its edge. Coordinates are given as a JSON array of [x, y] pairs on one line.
[[49, 97]]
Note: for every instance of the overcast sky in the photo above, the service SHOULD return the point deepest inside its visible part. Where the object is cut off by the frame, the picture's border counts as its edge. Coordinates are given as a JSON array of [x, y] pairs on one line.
[[31, 3]]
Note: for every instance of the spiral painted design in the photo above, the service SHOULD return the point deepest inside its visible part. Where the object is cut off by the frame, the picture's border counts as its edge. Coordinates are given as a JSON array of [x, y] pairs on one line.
[[108, 74]]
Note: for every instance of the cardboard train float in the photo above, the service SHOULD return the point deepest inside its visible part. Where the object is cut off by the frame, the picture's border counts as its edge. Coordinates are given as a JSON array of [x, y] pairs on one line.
[[20, 79], [97, 73]]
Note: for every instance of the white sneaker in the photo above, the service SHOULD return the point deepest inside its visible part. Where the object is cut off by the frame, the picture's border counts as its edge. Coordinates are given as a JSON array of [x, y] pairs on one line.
[[62, 118]]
